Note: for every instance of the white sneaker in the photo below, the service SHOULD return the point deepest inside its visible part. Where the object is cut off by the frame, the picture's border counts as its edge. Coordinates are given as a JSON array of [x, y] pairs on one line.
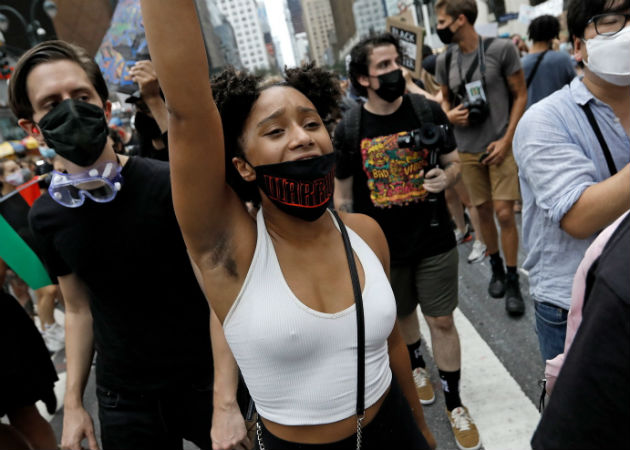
[[478, 252], [462, 237], [54, 337]]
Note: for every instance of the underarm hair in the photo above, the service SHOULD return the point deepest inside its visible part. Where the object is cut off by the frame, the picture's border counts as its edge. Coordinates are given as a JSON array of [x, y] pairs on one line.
[[222, 254]]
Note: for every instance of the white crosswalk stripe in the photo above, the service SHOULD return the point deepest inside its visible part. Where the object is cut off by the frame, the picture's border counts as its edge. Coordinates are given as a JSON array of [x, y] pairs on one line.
[[505, 416]]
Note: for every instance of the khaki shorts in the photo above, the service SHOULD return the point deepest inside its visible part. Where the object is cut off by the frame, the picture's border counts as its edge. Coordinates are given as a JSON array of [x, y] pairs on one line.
[[486, 183], [432, 283]]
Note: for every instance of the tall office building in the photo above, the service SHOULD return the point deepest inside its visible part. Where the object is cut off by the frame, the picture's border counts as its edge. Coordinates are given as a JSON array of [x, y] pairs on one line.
[[220, 35], [243, 15], [320, 29], [344, 24], [295, 10], [369, 17]]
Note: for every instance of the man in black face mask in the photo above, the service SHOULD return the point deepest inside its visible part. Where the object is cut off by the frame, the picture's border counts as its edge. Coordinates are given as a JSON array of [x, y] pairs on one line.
[[395, 185], [478, 77], [132, 296]]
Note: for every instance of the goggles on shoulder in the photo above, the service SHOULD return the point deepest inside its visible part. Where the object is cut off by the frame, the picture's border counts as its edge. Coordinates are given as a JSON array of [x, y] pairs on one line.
[[100, 183]]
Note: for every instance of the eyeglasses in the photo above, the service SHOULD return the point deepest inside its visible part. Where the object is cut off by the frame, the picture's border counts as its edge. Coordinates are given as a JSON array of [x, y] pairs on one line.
[[609, 24]]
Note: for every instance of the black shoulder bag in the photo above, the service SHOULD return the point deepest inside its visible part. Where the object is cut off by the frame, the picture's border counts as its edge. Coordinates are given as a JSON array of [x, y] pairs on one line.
[[358, 301]]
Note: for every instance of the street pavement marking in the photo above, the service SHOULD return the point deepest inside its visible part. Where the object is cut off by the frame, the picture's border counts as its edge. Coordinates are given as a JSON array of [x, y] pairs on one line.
[[505, 416]]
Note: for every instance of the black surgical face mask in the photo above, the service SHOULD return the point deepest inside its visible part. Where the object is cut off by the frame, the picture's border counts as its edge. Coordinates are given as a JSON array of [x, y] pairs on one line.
[[76, 130], [446, 35], [302, 188], [392, 85]]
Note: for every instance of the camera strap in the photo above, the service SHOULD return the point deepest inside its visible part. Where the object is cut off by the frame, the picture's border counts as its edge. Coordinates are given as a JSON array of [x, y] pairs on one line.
[[600, 137], [479, 61]]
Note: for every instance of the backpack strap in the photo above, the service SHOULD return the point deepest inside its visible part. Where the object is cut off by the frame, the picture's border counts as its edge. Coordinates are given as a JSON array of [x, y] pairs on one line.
[[352, 127], [421, 108], [447, 60]]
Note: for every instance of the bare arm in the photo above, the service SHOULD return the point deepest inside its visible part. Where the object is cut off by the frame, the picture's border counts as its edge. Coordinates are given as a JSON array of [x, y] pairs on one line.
[[599, 206], [79, 351], [401, 368], [342, 196], [144, 74], [518, 89], [499, 149], [228, 425], [195, 130]]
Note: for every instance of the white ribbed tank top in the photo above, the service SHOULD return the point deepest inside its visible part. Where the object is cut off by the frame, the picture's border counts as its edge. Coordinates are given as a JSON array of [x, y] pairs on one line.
[[300, 365]]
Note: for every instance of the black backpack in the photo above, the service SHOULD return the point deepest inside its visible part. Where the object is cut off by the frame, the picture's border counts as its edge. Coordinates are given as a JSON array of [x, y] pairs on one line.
[[352, 119]]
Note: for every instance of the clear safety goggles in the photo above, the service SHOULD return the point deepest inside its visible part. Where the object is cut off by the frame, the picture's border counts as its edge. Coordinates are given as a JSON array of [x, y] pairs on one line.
[[101, 184]]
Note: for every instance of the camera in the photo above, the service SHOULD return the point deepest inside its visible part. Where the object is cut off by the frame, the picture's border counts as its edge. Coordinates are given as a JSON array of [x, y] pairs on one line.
[[478, 110], [429, 136]]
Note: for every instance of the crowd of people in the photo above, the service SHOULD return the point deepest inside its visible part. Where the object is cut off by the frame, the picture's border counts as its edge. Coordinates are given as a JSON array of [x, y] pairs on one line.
[[280, 234]]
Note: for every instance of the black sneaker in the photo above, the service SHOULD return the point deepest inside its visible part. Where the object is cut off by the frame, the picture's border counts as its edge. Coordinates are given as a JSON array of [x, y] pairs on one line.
[[514, 304], [496, 289]]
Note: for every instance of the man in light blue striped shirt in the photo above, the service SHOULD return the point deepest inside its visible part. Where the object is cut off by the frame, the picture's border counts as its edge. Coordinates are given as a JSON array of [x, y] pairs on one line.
[[570, 190]]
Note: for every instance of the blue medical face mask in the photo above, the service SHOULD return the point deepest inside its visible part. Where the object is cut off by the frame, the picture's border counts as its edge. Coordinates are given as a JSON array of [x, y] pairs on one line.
[[47, 152], [100, 183]]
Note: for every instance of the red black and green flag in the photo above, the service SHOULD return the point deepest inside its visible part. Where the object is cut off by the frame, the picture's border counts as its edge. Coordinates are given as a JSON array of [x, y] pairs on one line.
[[15, 248]]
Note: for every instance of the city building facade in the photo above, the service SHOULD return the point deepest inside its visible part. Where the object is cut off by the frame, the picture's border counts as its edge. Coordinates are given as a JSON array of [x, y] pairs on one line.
[[243, 15], [320, 28]]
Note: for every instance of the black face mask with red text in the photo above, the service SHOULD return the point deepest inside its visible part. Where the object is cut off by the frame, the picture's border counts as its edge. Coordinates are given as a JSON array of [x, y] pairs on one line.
[[301, 188]]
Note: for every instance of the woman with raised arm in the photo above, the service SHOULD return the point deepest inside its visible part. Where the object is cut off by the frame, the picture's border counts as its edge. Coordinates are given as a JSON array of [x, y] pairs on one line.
[[306, 306]]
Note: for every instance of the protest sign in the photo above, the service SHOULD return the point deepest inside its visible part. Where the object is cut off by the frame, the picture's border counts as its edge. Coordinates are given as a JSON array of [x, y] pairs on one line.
[[123, 45], [410, 39]]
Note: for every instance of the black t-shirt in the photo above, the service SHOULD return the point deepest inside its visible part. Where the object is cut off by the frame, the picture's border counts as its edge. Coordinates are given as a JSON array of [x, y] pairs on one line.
[[590, 404], [15, 211], [386, 185], [151, 319]]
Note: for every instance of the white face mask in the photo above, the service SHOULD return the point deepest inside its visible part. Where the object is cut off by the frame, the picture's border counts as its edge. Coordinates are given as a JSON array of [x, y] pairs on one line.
[[16, 178], [609, 57]]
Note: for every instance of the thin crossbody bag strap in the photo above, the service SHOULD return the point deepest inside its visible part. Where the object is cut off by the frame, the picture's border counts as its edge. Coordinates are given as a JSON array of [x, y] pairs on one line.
[[600, 137], [358, 301]]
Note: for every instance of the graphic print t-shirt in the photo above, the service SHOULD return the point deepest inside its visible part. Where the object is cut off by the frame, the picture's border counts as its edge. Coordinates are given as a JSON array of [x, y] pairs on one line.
[[388, 187]]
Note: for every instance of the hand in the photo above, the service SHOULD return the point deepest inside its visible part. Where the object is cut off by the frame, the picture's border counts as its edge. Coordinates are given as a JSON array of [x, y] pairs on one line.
[[77, 425], [497, 152], [458, 116], [144, 74], [228, 429], [435, 181]]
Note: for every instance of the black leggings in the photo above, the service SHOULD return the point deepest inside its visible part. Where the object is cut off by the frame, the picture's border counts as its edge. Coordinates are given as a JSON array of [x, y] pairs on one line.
[[393, 428]]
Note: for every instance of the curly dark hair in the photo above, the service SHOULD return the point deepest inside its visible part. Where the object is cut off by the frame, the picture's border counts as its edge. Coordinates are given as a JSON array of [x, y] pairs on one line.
[[236, 92]]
